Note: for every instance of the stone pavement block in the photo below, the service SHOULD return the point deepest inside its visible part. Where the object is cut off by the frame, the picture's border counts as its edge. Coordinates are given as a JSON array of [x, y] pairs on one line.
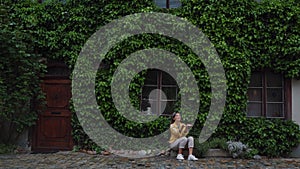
[[83, 160]]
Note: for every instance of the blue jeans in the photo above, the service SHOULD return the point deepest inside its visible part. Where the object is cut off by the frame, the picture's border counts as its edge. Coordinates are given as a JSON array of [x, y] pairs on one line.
[[181, 142]]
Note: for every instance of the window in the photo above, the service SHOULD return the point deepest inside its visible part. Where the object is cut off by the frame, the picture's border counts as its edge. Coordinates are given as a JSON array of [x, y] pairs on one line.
[[153, 101], [57, 69], [168, 3], [62, 1], [268, 95]]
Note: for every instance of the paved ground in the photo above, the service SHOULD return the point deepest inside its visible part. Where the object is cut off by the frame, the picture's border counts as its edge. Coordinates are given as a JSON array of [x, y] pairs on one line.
[[82, 160]]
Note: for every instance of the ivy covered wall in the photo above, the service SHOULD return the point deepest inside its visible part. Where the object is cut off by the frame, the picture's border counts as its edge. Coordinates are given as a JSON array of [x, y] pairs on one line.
[[246, 34], [20, 70]]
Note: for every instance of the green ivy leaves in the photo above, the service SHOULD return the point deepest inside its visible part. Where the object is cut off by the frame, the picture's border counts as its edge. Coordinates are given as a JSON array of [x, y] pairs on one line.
[[247, 36]]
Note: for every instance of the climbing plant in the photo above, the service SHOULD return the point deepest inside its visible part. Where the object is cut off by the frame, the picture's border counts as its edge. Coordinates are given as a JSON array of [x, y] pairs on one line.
[[248, 35], [19, 75]]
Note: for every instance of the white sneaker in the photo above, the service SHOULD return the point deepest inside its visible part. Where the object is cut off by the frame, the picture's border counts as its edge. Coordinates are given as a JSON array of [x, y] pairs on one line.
[[192, 158], [180, 157]]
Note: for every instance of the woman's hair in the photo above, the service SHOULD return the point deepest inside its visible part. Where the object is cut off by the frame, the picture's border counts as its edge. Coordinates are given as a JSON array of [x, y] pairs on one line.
[[173, 115]]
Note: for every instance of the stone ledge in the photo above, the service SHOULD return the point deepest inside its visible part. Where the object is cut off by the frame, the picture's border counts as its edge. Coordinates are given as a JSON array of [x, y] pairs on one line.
[[185, 152], [295, 153], [210, 153], [216, 153]]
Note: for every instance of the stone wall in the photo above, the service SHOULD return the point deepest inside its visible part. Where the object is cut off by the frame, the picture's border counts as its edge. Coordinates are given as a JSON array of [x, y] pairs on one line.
[[296, 110]]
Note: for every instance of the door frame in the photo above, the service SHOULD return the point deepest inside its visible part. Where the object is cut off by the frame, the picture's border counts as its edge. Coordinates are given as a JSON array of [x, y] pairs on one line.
[[58, 73]]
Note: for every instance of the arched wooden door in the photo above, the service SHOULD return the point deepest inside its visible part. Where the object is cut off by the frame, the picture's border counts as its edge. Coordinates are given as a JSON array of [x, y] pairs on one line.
[[53, 129]]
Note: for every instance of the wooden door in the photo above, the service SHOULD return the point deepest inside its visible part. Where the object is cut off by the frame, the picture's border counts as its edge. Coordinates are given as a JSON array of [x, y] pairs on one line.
[[53, 129]]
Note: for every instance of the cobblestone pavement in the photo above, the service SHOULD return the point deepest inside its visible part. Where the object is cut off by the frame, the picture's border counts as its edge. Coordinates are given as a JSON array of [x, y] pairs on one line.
[[82, 160]]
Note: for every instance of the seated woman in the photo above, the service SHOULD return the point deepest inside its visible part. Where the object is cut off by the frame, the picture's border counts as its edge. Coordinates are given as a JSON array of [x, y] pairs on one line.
[[178, 138]]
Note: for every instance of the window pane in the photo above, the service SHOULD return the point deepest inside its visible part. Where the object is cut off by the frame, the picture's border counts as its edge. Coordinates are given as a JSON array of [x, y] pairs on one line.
[[256, 79], [146, 93], [62, 1], [274, 80], [170, 92], [274, 95], [156, 107], [175, 3], [145, 104], [161, 3], [172, 3], [153, 108], [151, 78], [275, 110], [254, 109], [168, 79], [266, 95], [169, 107], [154, 101], [254, 94]]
